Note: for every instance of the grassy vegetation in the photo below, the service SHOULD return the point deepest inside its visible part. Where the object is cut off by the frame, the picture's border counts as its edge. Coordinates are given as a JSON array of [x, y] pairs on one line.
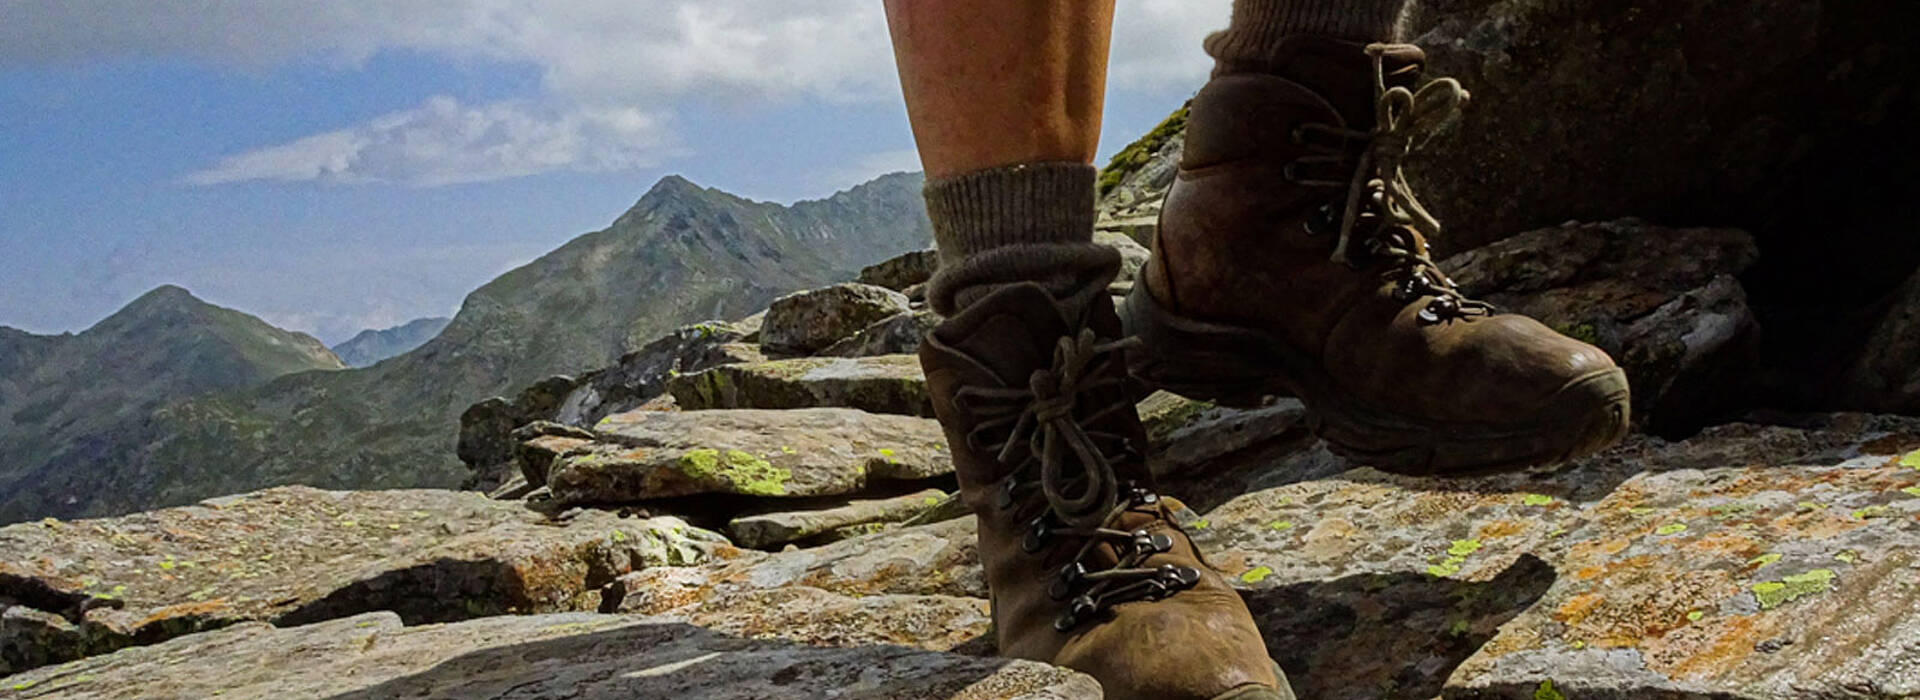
[[1138, 153]]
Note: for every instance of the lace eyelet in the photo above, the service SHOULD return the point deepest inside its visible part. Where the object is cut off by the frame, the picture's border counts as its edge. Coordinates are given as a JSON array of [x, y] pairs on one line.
[[1037, 535], [1320, 222], [1179, 576], [1063, 583], [1003, 498]]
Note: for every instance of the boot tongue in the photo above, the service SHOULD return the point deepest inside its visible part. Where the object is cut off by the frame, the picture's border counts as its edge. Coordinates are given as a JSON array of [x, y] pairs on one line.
[[1010, 332], [1342, 73]]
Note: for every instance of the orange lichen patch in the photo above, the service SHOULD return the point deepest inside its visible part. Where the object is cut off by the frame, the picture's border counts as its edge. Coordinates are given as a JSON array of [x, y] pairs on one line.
[[1813, 524], [1577, 608], [1734, 546], [1598, 549], [1234, 560], [1711, 648], [635, 454], [192, 613], [1589, 572], [1500, 528]]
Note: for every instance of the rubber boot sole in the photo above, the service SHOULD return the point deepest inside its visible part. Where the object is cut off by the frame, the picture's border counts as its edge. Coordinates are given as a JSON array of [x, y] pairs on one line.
[[1241, 367]]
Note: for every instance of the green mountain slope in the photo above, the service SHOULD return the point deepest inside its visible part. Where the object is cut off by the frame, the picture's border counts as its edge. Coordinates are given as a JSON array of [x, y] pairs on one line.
[[371, 346], [64, 400], [681, 254]]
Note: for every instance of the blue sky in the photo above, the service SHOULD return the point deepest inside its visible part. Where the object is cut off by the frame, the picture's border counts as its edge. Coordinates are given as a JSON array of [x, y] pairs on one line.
[[332, 165]]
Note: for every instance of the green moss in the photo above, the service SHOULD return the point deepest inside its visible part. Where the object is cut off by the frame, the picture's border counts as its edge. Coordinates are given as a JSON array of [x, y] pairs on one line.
[[1583, 332], [1140, 152], [1256, 574], [1772, 594], [746, 473], [1546, 691]]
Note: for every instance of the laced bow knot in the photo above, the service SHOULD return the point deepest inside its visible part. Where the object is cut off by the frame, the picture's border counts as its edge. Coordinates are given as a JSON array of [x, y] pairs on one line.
[[1403, 121]]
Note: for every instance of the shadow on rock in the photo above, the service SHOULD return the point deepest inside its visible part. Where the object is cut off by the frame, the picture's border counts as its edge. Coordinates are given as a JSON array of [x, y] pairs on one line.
[[445, 590], [649, 660], [1388, 635]]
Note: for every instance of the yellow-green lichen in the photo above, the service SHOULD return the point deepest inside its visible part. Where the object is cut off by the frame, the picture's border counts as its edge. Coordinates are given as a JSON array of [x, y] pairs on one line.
[[1536, 499], [1671, 529], [1846, 556], [1201, 524], [1457, 554], [1694, 616], [1911, 460], [1461, 548], [1256, 574], [1547, 692], [1280, 525], [1911, 490], [1871, 512], [1772, 594], [1764, 559], [741, 470], [1583, 332]]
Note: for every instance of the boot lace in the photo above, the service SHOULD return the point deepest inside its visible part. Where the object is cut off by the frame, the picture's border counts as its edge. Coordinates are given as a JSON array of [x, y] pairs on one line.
[[1379, 201], [1054, 453]]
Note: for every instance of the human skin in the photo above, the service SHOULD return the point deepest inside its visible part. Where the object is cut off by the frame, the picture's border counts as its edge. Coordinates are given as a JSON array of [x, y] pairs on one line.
[[992, 83]]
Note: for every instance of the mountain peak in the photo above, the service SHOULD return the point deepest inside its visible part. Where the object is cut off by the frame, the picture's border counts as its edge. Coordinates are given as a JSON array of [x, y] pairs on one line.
[[163, 298]]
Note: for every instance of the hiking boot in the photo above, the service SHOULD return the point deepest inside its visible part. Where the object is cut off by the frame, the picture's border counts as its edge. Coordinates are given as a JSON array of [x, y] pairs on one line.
[[1291, 259], [1086, 566]]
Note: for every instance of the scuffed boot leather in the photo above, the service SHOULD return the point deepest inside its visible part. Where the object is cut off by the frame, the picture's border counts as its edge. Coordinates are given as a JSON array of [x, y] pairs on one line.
[[1086, 566], [1291, 259]]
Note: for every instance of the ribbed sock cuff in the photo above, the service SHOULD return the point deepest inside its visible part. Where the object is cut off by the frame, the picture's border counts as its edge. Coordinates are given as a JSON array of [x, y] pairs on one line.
[[1258, 26], [1070, 272], [1013, 205]]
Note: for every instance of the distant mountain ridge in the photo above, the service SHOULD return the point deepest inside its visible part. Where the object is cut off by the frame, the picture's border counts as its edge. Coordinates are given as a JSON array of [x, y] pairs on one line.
[[371, 346], [681, 254], [64, 399]]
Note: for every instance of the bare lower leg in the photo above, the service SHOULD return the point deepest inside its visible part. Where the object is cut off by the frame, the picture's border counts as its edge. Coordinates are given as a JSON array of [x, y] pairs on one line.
[[993, 83]]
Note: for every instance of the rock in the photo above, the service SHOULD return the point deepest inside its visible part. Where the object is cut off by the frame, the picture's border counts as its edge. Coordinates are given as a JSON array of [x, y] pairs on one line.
[[487, 446], [642, 375], [294, 554], [644, 455], [813, 616], [537, 454], [949, 508], [881, 384], [938, 559], [897, 335], [1885, 375], [1657, 108], [767, 529], [574, 655], [1133, 256], [902, 272], [1184, 433], [1730, 565], [1662, 302], [803, 323]]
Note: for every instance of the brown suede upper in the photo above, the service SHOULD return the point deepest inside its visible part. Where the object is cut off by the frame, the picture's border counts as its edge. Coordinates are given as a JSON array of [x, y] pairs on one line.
[[1243, 243]]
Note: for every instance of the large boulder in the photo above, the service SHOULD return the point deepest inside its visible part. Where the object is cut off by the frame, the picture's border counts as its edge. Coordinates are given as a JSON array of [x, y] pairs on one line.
[[1663, 302], [294, 554], [902, 272], [806, 322], [762, 530], [880, 384], [899, 334], [576, 655], [1730, 565], [643, 455]]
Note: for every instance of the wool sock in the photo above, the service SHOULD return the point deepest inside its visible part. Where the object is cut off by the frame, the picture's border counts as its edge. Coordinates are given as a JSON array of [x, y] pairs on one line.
[[1258, 26], [1020, 223]]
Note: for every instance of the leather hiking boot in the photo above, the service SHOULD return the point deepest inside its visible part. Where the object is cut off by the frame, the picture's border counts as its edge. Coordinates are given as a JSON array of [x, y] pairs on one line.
[[1291, 259], [1086, 566]]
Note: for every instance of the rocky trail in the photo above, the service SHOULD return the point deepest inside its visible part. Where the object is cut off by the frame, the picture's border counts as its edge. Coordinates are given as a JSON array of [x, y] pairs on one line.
[[760, 508]]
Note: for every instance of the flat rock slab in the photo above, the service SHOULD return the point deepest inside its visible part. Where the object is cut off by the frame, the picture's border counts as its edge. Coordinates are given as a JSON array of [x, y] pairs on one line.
[[806, 322], [1747, 562], [1183, 433], [294, 554], [890, 384], [643, 455], [768, 529], [577, 655]]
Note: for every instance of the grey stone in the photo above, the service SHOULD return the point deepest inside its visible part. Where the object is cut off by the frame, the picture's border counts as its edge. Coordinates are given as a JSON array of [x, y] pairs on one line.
[[806, 322], [901, 272], [895, 335], [880, 384], [294, 554], [644, 455], [575, 655], [764, 530]]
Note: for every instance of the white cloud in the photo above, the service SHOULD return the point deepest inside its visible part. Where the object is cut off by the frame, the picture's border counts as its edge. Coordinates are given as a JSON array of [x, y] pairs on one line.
[[443, 142], [610, 69]]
